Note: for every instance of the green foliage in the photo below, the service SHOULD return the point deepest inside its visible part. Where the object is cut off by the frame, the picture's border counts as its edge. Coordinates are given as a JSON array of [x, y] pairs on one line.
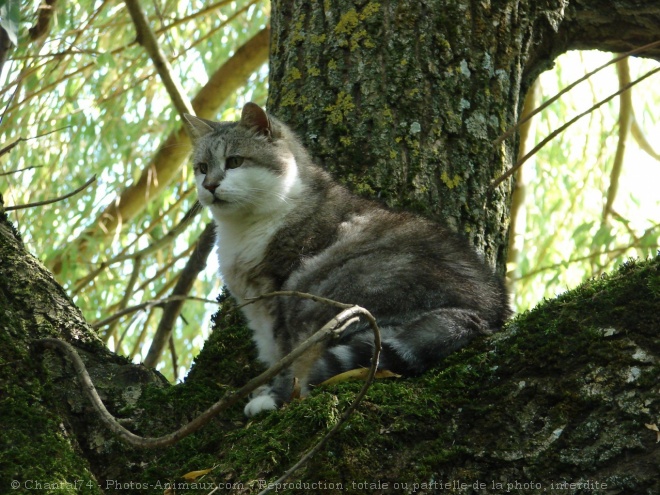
[[563, 237], [92, 94]]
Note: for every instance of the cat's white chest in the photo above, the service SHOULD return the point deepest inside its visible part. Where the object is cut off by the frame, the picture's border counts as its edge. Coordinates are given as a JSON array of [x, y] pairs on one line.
[[241, 249]]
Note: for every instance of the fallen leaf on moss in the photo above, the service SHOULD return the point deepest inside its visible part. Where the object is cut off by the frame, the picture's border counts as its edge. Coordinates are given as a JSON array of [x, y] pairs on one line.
[[358, 374], [295, 394], [193, 475], [655, 428]]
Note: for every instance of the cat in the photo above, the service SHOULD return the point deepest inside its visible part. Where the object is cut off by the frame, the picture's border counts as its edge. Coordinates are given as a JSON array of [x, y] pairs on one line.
[[284, 224]]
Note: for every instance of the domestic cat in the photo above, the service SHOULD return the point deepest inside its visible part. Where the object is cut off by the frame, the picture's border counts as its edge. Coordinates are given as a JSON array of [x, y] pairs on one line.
[[284, 224]]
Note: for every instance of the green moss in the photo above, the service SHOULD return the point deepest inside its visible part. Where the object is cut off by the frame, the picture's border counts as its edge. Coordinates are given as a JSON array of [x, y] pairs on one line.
[[347, 30], [450, 183], [369, 10], [342, 107], [294, 75], [289, 98], [347, 23], [34, 450], [431, 424], [297, 35], [317, 39]]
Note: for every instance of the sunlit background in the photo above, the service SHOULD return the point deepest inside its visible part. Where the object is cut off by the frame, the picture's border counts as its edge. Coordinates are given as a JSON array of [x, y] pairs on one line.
[[88, 102]]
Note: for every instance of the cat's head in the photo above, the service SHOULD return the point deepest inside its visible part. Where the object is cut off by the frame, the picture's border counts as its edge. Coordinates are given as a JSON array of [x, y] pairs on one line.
[[245, 167]]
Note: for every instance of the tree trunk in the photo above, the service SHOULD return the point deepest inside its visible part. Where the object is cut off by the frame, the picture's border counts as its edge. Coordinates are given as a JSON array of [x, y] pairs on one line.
[[401, 101]]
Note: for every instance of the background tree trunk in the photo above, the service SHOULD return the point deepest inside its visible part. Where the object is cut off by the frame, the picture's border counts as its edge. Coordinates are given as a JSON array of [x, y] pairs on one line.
[[401, 101]]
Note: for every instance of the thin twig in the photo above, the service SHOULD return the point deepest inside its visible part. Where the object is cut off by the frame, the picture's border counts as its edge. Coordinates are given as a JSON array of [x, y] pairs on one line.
[[151, 248], [293, 293], [625, 119], [173, 356], [50, 201], [328, 330], [20, 170], [590, 256], [347, 413], [202, 12], [147, 304], [10, 146], [562, 128], [569, 87]]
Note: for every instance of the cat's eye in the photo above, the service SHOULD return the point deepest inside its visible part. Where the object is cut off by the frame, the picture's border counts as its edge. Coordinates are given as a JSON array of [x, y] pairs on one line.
[[203, 168], [233, 162]]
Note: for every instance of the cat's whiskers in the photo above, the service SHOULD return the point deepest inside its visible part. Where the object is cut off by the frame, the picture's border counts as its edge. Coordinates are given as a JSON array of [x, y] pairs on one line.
[[284, 197]]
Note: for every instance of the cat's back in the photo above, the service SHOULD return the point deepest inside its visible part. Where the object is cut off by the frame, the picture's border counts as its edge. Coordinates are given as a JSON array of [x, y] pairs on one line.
[[393, 263]]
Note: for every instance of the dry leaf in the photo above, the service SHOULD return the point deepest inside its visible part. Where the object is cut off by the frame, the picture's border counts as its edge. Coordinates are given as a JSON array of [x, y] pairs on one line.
[[358, 374], [193, 475], [655, 428], [295, 394]]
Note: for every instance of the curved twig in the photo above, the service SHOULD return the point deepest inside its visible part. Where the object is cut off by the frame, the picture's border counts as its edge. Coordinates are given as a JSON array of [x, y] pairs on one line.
[[347, 413], [335, 326], [147, 304], [625, 119]]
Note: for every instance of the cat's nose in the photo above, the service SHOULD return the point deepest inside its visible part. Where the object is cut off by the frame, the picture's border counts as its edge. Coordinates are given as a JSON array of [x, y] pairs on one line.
[[211, 186]]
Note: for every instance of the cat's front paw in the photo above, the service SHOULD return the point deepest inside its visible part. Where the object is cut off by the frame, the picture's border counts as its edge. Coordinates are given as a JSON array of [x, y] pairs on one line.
[[259, 404]]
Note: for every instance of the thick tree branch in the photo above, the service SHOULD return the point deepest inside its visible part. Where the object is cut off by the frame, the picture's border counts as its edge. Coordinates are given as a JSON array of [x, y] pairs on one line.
[[5, 46], [609, 25], [196, 263], [41, 27], [148, 40]]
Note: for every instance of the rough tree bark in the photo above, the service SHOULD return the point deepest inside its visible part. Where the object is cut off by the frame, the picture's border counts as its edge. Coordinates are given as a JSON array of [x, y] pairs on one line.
[[401, 100]]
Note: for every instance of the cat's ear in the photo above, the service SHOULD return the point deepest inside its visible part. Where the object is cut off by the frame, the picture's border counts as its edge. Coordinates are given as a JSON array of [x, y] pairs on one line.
[[198, 127], [254, 117]]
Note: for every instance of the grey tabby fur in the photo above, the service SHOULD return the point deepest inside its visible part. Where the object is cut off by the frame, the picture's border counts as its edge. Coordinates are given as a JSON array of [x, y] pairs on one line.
[[284, 224]]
